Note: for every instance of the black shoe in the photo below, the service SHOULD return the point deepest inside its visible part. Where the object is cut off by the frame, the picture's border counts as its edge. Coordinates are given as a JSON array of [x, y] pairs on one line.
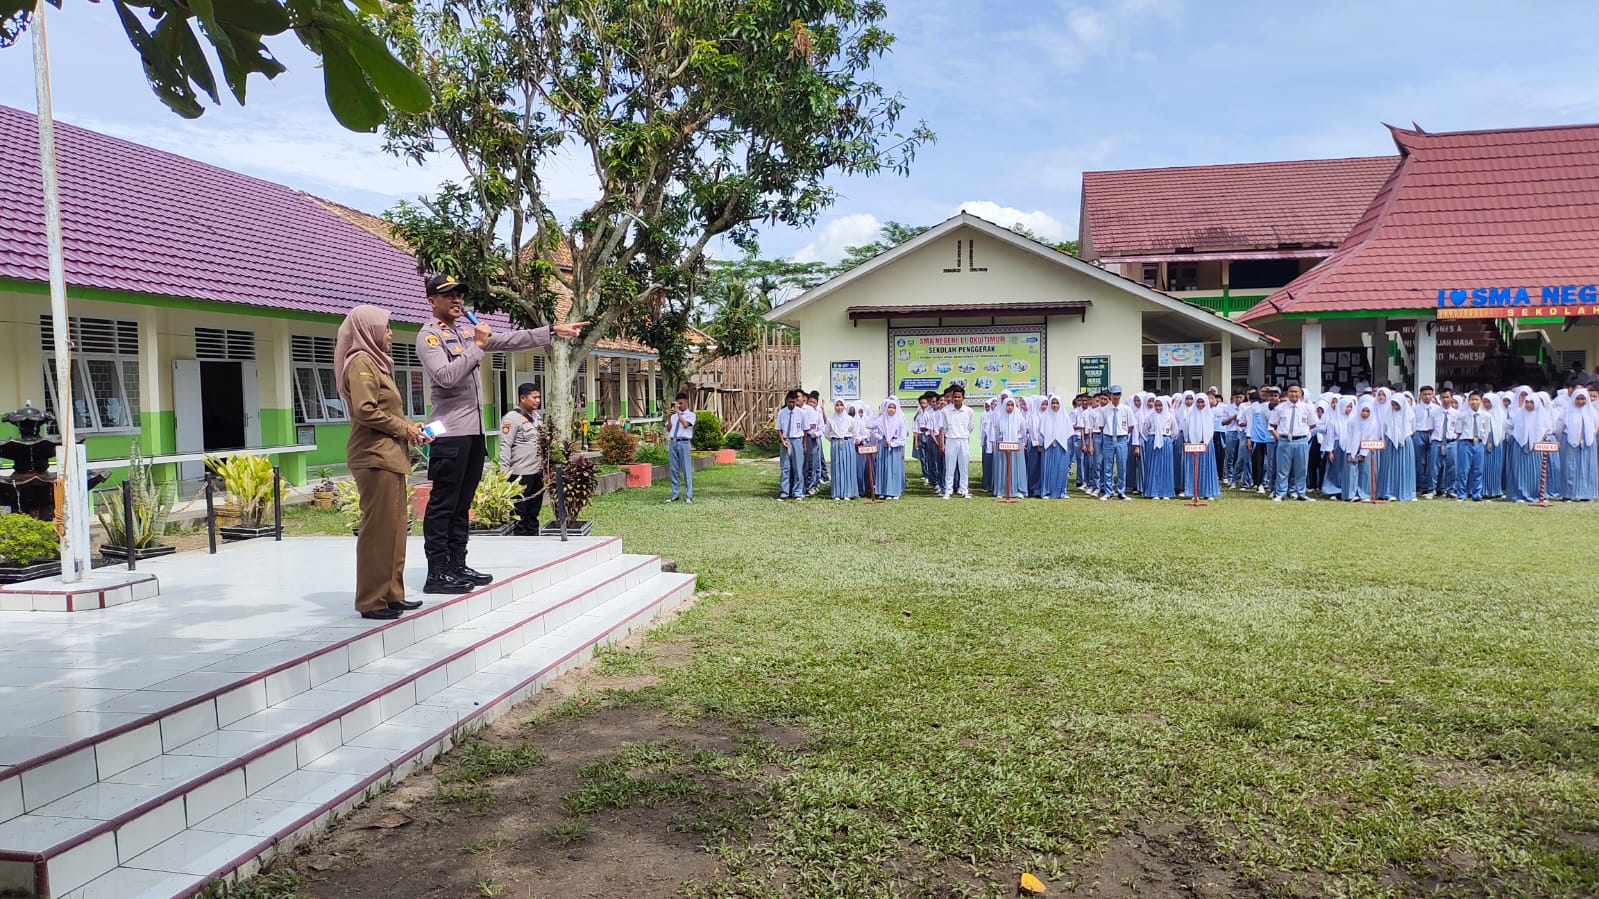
[[445, 582], [406, 605], [471, 575], [388, 614]]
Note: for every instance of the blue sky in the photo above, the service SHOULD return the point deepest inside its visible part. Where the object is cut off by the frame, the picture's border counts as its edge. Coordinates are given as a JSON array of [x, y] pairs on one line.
[[1025, 96]]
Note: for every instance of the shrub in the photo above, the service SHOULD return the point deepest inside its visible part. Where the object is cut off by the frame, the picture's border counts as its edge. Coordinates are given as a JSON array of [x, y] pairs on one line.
[[152, 503], [248, 479], [652, 454], [734, 440], [578, 480], [495, 499], [616, 445], [707, 431], [25, 540], [767, 440]]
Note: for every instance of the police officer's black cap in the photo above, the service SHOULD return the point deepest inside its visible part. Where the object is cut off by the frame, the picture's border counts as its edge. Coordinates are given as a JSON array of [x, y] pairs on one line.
[[525, 389], [443, 284]]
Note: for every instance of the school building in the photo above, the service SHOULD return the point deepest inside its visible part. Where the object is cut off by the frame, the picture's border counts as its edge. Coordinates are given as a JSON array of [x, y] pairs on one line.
[[1465, 258], [204, 305], [1474, 262], [972, 302]]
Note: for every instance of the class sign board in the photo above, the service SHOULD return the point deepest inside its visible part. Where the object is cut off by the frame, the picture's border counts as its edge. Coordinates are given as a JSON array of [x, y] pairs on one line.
[[1195, 449], [1372, 444], [1173, 355], [866, 449], [1009, 446], [1546, 446]]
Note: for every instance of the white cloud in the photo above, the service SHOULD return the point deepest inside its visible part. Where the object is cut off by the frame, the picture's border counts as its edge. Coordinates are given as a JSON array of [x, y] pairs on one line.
[[1039, 222], [828, 244]]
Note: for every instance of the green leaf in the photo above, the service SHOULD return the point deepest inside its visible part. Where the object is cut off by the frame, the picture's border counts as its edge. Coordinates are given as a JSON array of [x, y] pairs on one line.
[[353, 101], [370, 7], [192, 55], [171, 86], [255, 16], [404, 89]]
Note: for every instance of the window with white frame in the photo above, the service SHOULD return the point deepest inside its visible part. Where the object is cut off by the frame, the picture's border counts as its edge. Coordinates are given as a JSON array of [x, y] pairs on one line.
[[316, 394], [409, 377], [105, 372]]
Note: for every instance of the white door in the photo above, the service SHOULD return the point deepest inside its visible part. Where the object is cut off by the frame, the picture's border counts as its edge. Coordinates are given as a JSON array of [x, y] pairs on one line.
[[189, 410], [252, 404]]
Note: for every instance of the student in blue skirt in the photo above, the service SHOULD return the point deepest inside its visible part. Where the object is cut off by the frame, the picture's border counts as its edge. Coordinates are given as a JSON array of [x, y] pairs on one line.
[[1010, 426], [1055, 430], [1579, 449], [889, 465], [1200, 427], [1160, 445], [841, 440]]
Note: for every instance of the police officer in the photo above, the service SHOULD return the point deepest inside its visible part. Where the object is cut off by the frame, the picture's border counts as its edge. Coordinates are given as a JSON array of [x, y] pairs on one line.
[[520, 457], [451, 350]]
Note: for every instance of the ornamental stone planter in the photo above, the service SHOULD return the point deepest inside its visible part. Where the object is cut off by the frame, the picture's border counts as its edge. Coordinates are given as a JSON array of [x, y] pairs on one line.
[[610, 482], [419, 499], [726, 456], [500, 531], [120, 553], [16, 574], [639, 474], [702, 462], [661, 472], [239, 532], [574, 528]]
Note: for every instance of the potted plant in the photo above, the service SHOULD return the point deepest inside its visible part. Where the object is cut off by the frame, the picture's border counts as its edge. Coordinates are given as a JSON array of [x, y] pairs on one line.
[[577, 480], [655, 457], [150, 505], [248, 481], [347, 500], [322, 493], [494, 504], [29, 548]]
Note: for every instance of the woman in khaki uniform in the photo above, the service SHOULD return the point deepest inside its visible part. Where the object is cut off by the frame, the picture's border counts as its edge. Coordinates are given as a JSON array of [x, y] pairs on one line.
[[378, 460]]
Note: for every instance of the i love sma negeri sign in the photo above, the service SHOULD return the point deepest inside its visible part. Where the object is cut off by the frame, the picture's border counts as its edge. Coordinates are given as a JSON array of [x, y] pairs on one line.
[[1556, 301]]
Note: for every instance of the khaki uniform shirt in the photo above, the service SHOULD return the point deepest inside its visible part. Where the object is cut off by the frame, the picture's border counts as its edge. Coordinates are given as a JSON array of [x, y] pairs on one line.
[[519, 443], [451, 359], [377, 427]]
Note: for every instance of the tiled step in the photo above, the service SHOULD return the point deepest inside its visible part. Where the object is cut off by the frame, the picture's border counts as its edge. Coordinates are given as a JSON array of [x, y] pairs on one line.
[[171, 711], [162, 782], [241, 837]]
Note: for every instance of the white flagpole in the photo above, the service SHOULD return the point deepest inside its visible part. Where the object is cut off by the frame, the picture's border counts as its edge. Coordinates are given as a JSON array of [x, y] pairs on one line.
[[74, 549]]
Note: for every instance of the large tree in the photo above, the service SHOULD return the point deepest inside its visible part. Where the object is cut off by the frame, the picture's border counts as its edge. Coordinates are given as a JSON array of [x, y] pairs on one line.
[[697, 118], [361, 79]]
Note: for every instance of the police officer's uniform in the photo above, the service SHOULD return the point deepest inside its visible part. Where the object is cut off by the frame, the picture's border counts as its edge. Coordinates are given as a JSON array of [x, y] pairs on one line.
[[455, 460], [520, 455]]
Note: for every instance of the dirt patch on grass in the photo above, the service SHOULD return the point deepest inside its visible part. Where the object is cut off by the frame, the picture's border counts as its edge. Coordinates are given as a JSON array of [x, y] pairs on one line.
[[1169, 861], [593, 814]]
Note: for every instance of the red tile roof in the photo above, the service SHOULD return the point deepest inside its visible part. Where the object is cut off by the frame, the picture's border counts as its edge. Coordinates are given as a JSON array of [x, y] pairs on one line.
[[1252, 206], [1511, 208], [140, 220]]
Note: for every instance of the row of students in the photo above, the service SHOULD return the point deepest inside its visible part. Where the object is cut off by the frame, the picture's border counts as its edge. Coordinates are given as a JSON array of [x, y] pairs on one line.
[[1278, 440]]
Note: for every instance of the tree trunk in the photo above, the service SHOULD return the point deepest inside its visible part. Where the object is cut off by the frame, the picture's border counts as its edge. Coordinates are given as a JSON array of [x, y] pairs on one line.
[[558, 397]]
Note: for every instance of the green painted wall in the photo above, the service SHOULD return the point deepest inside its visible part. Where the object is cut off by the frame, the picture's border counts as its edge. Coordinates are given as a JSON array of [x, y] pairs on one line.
[[330, 443]]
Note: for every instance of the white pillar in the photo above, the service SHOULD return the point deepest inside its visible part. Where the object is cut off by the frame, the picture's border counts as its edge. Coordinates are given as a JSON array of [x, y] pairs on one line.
[[1257, 367], [1379, 352], [591, 393], [649, 399], [1310, 356], [621, 390], [1426, 352], [1226, 384]]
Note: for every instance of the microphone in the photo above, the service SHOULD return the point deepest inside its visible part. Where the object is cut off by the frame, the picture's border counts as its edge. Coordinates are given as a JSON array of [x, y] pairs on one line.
[[470, 315]]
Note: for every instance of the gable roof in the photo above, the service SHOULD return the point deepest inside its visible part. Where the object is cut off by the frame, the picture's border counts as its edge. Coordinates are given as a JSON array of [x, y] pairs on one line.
[[141, 220], [1213, 208], [1507, 208], [785, 312]]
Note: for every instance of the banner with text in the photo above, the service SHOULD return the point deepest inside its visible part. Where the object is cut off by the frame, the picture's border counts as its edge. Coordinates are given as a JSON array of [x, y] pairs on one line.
[[984, 363]]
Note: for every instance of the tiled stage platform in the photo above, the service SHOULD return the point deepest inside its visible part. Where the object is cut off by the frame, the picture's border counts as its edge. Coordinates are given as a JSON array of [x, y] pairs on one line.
[[149, 747]]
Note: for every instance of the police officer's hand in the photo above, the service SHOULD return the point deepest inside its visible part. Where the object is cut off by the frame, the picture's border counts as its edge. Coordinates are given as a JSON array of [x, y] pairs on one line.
[[481, 334], [569, 330]]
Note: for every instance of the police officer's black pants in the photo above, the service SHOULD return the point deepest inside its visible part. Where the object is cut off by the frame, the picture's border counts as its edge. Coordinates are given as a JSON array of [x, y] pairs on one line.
[[455, 465], [531, 503]]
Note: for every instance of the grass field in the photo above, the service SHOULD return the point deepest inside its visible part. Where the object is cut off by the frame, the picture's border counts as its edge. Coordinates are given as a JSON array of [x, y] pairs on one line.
[[1328, 699]]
